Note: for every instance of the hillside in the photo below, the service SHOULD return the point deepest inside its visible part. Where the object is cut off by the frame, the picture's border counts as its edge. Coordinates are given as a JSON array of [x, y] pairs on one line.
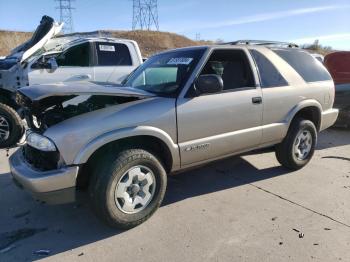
[[150, 42], [11, 39]]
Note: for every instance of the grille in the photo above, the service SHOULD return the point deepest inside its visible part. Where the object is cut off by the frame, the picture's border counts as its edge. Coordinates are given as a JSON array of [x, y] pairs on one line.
[[39, 159]]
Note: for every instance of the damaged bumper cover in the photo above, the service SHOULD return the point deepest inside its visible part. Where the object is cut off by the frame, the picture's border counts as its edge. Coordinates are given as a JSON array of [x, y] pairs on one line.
[[53, 187]]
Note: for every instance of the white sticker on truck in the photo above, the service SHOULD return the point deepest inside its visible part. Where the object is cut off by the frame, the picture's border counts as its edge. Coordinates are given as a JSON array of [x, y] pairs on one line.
[[108, 48], [180, 61]]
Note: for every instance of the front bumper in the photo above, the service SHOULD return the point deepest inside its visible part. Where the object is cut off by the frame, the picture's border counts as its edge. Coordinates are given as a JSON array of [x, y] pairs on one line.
[[53, 187], [328, 118]]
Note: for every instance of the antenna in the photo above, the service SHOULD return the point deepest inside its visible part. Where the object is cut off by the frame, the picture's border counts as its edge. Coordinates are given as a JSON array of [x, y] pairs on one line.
[[145, 14], [65, 7]]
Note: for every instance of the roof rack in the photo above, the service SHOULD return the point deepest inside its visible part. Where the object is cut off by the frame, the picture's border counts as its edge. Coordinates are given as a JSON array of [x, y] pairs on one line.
[[263, 42]]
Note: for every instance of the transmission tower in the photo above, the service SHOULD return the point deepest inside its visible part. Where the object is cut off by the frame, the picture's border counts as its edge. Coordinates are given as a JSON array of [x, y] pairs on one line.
[[65, 7], [145, 14]]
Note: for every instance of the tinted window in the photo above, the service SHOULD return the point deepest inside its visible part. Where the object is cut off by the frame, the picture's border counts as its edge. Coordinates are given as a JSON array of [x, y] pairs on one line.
[[232, 66], [75, 56], [269, 75], [307, 67], [111, 54]]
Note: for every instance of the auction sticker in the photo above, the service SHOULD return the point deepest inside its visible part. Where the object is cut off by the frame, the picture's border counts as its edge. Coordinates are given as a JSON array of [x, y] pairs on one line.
[[108, 48], [180, 61]]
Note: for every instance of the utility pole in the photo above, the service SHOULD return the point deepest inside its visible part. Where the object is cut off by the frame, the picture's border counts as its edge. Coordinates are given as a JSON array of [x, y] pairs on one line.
[[145, 14], [65, 7]]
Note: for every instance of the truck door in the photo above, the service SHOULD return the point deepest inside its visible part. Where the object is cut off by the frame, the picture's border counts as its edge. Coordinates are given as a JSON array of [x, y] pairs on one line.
[[113, 62], [74, 64], [215, 125]]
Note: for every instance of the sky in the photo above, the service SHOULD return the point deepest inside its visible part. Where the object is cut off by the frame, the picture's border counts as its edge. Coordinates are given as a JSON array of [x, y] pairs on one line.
[[300, 21]]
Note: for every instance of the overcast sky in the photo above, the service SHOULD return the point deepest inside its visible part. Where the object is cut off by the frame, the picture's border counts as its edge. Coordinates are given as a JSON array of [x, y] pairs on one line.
[[301, 21]]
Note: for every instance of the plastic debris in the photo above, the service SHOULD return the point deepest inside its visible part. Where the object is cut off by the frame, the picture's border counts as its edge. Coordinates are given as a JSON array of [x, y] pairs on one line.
[[326, 228], [81, 254], [296, 230], [274, 218], [301, 235], [42, 252]]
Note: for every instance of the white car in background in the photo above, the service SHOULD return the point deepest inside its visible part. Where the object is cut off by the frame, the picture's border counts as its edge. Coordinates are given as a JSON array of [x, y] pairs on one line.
[[48, 58]]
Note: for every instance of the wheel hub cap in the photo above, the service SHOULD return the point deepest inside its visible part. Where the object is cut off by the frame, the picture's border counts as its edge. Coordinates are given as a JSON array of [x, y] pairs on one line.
[[303, 145], [135, 189], [4, 129]]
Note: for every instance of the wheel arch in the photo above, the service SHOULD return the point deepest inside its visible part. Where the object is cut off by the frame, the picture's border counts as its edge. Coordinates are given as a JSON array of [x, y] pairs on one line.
[[307, 109], [151, 143], [149, 138], [6, 97]]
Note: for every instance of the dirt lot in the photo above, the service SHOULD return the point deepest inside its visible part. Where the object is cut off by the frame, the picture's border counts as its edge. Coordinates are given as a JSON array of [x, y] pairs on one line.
[[245, 208]]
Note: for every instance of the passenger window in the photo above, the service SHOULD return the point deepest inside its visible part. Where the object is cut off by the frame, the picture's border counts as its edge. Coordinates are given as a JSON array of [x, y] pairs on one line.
[[269, 75], [304, 64], [78, 55], [113, 54], [233, 66]]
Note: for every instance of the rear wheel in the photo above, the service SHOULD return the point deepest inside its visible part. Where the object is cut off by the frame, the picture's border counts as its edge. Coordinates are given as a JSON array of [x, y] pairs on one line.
[[11, 128], [298, 147], [127, 188]]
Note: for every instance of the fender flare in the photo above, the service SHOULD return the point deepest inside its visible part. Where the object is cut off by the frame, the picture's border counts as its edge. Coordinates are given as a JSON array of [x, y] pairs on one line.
[[303, 104], [115, 135]]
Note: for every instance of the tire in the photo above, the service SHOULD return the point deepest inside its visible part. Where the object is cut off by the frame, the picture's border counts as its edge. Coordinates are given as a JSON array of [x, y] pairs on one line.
[[11, 127], [113, 173], [287, 153]]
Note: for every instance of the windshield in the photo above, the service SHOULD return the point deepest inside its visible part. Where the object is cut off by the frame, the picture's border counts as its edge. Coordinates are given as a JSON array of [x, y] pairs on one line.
[[166, 73]]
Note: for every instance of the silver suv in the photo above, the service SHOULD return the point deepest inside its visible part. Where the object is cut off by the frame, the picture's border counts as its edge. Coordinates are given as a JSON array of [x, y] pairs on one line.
[[180, 109]]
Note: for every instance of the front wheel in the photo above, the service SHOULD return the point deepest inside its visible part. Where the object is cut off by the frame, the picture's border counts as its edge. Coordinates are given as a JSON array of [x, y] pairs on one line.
[[298, 147], [127, 188], [11, 128]]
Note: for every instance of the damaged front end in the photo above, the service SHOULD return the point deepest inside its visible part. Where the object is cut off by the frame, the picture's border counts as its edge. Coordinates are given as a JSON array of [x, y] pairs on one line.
[[40, 115], [14, 67], [48, 105]]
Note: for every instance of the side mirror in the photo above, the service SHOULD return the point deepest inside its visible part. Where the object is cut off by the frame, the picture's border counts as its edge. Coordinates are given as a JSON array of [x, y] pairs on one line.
[[209, 84], [52, 65]]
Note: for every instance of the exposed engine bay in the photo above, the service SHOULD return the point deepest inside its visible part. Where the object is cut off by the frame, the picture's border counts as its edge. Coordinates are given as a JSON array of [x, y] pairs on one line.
[[56, 109]]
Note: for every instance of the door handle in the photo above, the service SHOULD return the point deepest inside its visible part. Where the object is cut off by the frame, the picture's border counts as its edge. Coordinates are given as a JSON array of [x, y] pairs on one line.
[[257, 100]]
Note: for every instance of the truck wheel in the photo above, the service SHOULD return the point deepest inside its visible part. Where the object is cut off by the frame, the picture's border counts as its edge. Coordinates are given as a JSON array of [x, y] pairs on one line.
[[298, 147], [11, 128], [127, 188]]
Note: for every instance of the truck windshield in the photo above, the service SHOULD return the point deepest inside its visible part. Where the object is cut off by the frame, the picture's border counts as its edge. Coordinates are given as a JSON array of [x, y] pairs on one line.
[[166, 73]]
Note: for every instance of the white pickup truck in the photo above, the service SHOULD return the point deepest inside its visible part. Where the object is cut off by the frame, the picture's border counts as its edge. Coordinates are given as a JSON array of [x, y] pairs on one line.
[[48, 58]]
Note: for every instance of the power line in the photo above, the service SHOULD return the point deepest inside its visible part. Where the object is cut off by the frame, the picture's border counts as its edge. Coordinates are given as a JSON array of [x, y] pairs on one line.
[[145, 14], [65, 7]]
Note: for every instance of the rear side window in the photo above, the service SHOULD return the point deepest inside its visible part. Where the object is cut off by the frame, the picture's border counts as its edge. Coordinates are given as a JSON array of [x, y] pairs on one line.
[[269, 75], [307, 67], [113, 54]]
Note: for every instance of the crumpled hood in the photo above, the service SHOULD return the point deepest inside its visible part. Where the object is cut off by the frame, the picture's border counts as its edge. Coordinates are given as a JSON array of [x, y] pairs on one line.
[[40, 92], [47, 29]]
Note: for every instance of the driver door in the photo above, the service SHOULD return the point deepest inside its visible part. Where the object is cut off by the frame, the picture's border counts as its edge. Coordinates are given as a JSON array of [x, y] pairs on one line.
[[216, 125], [73, 65]]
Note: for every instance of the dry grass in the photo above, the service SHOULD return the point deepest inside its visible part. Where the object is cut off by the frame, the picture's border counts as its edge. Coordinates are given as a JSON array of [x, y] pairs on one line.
[[150, 42], [10, 39]]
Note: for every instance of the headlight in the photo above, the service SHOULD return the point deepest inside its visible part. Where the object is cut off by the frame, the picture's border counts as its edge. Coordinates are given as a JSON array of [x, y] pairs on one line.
[[40, 142]]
